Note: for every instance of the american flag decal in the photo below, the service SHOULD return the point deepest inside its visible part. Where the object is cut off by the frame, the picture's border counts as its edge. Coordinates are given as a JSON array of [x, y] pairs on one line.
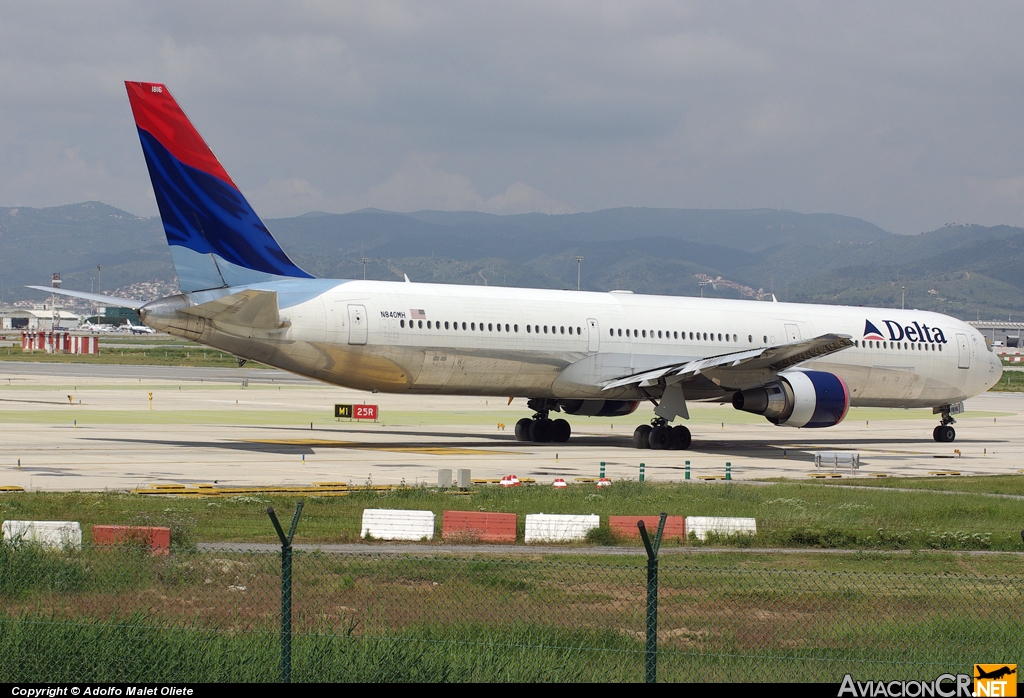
[[417, 314]]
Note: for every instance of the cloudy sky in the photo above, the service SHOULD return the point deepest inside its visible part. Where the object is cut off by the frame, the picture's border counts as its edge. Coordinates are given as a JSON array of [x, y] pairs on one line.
[[910, 115]]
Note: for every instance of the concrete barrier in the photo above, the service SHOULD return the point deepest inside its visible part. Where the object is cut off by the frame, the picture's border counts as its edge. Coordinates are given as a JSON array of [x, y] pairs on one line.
[[157, 538], [701, 526], [553, 528], [49, 534], [398, 524], [480, 526], [625, 526]]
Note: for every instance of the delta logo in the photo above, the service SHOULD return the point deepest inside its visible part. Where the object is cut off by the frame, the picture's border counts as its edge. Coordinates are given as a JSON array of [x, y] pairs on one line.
[[914, 332], [995, 680]]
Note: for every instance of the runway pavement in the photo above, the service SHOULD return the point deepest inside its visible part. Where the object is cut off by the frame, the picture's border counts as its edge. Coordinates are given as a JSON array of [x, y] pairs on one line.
[[77, 427]]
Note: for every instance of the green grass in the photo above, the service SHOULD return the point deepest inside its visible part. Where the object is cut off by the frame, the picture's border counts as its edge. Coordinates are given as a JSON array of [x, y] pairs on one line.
[[788, 514], [731, 617], [1011, 382]]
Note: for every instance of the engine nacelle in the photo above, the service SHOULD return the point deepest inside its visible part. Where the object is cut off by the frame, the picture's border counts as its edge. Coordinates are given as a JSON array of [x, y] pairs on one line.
[[599, 408], [798, 399]]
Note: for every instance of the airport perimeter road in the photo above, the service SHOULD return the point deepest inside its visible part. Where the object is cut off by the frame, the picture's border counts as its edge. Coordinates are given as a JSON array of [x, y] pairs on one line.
[[76, 427]]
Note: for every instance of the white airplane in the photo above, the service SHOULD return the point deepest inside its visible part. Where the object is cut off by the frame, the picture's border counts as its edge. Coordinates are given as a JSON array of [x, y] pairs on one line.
[[138, 329], [580, 353]]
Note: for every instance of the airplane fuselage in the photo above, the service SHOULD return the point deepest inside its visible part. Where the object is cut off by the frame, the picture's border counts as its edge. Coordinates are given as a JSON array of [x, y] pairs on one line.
[[472, 340]]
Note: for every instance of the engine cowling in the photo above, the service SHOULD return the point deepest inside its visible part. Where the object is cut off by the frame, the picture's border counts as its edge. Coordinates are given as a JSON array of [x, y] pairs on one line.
[[599, 408], [798, 399]]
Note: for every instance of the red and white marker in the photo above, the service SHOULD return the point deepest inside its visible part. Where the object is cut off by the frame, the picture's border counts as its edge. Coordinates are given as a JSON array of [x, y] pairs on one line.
[[604, 482], [509, 481], [559, 484]]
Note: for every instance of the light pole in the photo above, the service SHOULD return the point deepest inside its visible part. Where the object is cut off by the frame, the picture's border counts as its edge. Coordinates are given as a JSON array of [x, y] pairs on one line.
[[99, 279], [903, 303], [579, 262], [2, 276], [702, 284], [364, 260]]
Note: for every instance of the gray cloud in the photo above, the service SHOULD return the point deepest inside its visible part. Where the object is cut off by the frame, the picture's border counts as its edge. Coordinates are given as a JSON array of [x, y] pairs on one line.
[[905, 114]]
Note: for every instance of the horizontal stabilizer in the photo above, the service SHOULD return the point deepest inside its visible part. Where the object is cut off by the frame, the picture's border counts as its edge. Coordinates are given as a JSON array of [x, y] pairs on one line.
[[248, 308], [777, 358], [94, 297]]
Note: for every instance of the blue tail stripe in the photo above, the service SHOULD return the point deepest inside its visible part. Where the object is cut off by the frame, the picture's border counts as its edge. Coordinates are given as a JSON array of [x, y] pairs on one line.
[[207, 215]]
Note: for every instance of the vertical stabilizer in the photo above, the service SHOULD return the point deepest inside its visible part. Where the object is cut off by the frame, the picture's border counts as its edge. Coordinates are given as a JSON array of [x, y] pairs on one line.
[[216, 238]]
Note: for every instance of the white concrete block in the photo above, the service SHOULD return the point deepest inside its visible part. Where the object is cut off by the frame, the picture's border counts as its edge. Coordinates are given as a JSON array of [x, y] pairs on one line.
[[701, 526], [398, 524], [50, 534], [559, 527]]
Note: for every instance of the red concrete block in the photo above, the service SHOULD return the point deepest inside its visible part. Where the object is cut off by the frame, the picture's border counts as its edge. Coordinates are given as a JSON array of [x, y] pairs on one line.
[[625, 526], [480, 526], [157, 537]]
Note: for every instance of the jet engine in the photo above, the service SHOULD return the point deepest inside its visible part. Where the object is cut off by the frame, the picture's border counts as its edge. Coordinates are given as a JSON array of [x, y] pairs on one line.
[[798, 399], [599, 408]]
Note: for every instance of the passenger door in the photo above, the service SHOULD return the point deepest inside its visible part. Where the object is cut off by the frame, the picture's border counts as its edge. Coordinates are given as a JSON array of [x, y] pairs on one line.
[[356, 324], [965, 351], [595, 335]]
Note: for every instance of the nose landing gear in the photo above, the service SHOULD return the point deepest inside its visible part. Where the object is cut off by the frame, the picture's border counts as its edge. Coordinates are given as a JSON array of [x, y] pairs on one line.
[[944, 433]]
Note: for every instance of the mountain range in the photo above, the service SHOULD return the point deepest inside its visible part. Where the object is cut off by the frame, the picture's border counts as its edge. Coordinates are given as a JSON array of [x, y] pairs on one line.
[[967, 271]]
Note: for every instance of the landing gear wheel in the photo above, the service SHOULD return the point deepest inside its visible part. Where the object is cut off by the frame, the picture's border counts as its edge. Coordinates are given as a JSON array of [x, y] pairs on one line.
[[944, 434], [540, 431], [523, 429], [681, 438], [660, 438], [560, 431], [641, 437]]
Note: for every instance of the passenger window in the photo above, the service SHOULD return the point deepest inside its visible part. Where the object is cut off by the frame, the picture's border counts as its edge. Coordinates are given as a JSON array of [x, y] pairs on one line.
[[528, 328], [562, 330], [545, 329], [579, 331], [515, 328], [490, 327], [645, 334], [611, 332], [472, 325], [446, 325], [463, 325], [499, 327], [750, 339], [419, 323], [401, 323], [506, 327]]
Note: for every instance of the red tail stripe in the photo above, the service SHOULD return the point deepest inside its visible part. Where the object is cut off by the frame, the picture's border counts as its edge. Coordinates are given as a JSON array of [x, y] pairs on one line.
[[157, 112]]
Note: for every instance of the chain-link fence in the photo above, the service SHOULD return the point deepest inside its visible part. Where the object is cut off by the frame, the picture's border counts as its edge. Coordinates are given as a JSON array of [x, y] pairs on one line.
[[121, 614]]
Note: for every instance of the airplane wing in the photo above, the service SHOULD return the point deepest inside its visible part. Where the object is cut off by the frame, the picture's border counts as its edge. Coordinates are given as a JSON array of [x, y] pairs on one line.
[[249, 308], [777, 358], [95, 297]]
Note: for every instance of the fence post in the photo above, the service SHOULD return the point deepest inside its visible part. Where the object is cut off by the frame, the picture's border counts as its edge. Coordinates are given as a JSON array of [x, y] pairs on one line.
[[651, 654], [286, 589]]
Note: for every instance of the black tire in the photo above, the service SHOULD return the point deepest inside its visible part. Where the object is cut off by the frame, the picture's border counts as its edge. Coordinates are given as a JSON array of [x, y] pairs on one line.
[[936, 435], [523, 429], [681, 438], [640, 436], [948, 434], [660, 438], [540, 431], [560, 431]]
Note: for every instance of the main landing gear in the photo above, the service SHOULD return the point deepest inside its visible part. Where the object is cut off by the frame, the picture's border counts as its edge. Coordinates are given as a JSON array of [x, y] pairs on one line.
[[541, 429], [944, 433], [658, 435]]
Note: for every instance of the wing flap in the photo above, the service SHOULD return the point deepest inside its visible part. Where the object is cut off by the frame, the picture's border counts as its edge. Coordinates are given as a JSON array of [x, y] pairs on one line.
[[777, 358]]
